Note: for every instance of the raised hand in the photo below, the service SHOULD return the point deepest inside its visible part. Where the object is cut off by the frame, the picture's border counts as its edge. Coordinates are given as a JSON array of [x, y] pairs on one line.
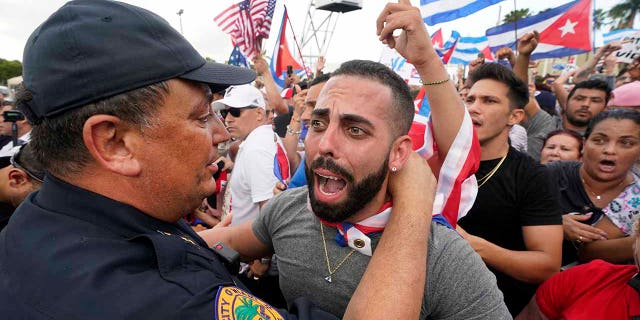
[[528, 42], [413, 43], [260, 65]]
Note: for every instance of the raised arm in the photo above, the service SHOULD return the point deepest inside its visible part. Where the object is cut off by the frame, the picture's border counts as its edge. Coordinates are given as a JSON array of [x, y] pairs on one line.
[[526, 45], [588, 67], [273, 93], [558, 88], [447, 109], [290, 140]]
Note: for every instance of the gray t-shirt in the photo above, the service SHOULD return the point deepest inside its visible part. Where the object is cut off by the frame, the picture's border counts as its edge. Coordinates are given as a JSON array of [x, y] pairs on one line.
[[538, 127], [459, 286]]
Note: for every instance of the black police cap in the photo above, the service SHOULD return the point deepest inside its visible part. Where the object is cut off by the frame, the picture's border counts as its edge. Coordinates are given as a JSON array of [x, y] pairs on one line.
[[90, 50]]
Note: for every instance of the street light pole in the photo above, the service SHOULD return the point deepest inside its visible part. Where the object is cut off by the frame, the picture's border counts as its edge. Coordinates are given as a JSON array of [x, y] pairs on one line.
[[179, 13]]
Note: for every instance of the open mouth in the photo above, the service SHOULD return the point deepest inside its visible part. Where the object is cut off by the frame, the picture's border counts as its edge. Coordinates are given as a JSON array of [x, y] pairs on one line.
[[330, 185], [607, 165]]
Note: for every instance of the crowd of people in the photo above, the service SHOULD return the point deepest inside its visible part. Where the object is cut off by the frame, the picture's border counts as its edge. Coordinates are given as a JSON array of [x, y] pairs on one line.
[[158, 185]]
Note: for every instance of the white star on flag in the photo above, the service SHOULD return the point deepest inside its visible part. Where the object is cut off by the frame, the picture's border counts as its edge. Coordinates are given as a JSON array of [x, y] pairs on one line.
[[568, 28]]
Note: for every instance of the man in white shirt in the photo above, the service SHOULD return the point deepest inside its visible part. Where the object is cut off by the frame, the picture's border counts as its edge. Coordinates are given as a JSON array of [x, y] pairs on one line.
[[252, 180], [23, 134]]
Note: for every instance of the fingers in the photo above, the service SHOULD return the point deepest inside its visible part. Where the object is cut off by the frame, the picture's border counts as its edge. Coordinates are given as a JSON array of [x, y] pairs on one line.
[[390, 19], [279, 188], [225, 222]]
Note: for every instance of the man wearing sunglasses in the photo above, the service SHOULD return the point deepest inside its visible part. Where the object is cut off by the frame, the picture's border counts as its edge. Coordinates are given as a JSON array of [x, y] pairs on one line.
[[243, 109], [20, 174], [244, 113]]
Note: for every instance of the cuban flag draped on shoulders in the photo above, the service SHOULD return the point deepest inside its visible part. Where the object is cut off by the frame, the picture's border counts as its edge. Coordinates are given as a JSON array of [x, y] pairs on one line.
[[439, 11], [565, 30]]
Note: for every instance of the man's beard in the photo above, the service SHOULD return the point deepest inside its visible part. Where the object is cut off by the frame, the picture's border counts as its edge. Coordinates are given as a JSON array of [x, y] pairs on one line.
[[360, 193], [577, 122]]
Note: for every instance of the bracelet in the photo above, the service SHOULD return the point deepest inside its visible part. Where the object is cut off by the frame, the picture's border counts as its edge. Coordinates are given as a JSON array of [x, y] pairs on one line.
[[435, 82], [293, 132]]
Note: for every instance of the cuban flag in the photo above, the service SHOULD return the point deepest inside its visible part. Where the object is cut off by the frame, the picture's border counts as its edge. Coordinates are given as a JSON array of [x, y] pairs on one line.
[[436, 39], [446, 51], [439, 11], [468, 49], [565, 30], [617, 35], [421, 103], [457, 186], [282, 56], [281, 163]]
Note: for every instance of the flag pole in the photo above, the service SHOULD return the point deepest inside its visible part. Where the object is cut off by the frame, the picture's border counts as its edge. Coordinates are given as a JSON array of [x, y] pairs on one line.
[[296, 41], [515, 25], [593, 33]]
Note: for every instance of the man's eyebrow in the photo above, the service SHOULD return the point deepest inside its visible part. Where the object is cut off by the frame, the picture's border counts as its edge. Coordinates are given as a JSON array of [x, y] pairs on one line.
[[320, 112], [354, 118]]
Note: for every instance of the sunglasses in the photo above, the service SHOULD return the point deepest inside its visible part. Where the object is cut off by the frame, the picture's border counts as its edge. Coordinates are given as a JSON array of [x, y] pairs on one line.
[[234, 112], [15, 161]]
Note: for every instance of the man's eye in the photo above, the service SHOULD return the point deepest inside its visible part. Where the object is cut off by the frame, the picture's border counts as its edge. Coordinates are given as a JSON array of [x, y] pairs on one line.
[[355, 131], [206, 118], [316, 124]]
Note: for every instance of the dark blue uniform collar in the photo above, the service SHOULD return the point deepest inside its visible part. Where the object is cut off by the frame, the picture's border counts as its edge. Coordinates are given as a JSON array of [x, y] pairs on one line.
[[118, 217]]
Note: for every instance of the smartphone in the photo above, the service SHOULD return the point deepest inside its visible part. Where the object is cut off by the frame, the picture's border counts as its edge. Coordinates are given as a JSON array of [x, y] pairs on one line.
[[289, 70], [220, 165]]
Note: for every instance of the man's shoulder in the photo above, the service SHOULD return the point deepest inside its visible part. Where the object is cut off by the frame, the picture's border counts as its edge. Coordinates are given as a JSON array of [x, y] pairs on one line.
[[151, 271], [261, 134], [523, 161], [282, 202]]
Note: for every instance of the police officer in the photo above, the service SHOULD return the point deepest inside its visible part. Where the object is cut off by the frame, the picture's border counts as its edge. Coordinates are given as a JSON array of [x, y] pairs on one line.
[[122, 123]]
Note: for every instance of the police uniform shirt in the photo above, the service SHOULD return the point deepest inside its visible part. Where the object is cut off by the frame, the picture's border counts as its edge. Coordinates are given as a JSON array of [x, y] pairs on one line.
[[69, 253]]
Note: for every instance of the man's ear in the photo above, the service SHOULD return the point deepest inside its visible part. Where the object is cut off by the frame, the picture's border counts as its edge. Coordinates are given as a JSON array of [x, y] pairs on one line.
[[17, 178], [401, 148], [516, 116], [110, 141]]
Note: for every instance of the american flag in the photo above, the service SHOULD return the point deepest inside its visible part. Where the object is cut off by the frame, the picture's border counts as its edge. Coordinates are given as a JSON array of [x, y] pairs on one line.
[[237, 59], [247, 22]]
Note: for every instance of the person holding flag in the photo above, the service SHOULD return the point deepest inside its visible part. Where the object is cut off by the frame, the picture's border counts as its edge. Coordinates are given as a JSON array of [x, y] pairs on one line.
[[357, 144]]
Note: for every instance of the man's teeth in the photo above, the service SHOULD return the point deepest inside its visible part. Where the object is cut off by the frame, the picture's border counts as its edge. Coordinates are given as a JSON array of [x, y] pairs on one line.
[[328, 177]]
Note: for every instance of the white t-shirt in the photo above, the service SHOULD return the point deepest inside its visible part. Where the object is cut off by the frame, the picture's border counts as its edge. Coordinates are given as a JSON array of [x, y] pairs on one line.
[[252, 179], [9, 149]]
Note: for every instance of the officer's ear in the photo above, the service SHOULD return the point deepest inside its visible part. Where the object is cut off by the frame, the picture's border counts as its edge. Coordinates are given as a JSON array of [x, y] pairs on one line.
[[110, 141]]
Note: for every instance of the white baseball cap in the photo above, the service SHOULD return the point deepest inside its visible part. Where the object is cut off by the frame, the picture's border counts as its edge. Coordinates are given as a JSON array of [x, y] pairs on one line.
[[241, 96]]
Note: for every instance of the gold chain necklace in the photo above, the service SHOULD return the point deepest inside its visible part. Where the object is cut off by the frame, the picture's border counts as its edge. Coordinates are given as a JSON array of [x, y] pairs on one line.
[[326, 256], [488, 176], [599, 196]]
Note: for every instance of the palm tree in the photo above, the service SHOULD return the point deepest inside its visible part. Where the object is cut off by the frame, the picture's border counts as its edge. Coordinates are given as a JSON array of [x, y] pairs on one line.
[[600, 18], [516, 15], [624, 13]]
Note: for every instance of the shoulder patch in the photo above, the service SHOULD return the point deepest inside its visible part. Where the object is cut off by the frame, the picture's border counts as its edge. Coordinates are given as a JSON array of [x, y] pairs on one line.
[[234, 303]]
